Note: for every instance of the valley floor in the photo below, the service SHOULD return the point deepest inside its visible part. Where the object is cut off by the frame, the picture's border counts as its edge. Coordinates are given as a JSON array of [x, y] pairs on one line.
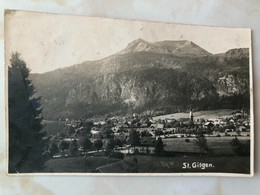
[[223, 164], [154, 164], [224, 159]]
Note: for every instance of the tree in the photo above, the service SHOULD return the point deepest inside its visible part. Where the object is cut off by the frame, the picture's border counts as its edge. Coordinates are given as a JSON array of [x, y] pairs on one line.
[[87, 126], [63, 145], [108, 133], [25, 121], [159, 146], [62, 135], [110, 145], [201, 141], [74, 146], [85, 143], [71, 130], [118, 142], [148, 123], [134, 138], [53, 149], [97, 145], [241, 149]]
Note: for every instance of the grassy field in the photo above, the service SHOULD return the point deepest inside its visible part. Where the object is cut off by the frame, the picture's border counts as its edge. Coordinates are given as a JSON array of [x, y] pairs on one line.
[[224, 160], [208, 114], [219, 145], [77, 164], [153, 164]]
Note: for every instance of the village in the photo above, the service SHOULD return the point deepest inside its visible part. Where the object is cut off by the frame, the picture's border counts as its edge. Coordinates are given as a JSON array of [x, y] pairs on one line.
[[117, 137]]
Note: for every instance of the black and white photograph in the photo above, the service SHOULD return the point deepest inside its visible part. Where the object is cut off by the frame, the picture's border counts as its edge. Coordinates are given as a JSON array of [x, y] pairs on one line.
[[103, 96]]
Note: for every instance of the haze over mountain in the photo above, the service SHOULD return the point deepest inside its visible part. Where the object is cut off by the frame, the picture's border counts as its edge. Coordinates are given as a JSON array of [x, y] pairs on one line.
[[163, 77]]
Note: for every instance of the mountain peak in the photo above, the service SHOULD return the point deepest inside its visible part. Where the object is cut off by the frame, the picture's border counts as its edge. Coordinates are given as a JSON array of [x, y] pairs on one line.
[[179, 48], [140, 45], [138, 40]]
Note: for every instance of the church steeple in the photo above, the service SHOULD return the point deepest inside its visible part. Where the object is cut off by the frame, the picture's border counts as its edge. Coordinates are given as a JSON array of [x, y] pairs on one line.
[[191, 115]]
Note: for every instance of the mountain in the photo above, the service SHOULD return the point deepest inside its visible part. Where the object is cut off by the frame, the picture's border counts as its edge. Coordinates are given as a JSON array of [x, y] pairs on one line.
[[166, 76], [179, 48]]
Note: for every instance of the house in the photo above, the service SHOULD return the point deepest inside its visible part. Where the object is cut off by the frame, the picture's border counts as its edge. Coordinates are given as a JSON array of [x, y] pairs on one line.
[[208, 125], [119, 127], [144, 149], [143, 125], [197, 121], [160, 126], [114, 120], [95, 134], [99, 123], [121, 136], [231, 121], [151, 120], [153, 126], [168, 120], [185, 120], [238, 114], [216, 121], [94, 129], [228, 130], [241, 128], [169, 130]]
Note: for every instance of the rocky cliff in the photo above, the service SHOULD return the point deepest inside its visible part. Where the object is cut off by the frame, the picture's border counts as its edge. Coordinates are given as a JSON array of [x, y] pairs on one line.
[[168, 76]]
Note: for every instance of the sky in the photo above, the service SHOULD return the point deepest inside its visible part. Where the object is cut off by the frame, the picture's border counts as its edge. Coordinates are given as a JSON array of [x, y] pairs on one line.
[[51, 41]]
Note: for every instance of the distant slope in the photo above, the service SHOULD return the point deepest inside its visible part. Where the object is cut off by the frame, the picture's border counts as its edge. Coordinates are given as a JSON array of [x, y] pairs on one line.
[[167, 76], [208, 114]]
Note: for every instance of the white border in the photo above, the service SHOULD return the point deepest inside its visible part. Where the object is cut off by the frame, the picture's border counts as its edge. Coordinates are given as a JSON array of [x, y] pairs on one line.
[[251, 174]]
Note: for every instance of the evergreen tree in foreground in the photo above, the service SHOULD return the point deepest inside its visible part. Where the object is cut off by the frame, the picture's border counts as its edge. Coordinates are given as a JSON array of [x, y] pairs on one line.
[[25, 120]]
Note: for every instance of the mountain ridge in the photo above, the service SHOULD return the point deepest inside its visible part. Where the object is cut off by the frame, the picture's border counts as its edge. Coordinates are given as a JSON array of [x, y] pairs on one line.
[[180, 48], [147, 76]]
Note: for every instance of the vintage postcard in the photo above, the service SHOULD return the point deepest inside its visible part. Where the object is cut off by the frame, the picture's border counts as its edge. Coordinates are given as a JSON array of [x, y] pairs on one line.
[[100, 96]]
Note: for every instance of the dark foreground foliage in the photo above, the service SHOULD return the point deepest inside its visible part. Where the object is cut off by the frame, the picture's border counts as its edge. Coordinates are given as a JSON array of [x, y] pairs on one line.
[[25, 136]]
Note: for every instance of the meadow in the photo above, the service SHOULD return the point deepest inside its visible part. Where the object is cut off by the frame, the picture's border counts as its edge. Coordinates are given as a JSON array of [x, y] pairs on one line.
[[77, 164], [219, 145], [224, 159], [227, 164], [208, 114]]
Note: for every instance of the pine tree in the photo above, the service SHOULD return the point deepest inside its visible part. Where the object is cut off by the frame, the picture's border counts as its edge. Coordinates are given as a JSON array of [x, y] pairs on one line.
[[25, 120], [134, 138], [201, 141], [159, 147], [85, 143]]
